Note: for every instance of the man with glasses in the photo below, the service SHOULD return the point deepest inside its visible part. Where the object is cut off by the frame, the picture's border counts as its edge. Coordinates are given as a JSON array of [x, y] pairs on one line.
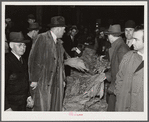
[[17, 95]]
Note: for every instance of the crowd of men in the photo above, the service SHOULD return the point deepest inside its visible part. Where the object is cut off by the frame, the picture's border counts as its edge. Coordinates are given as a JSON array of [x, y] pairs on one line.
[[37, 64]]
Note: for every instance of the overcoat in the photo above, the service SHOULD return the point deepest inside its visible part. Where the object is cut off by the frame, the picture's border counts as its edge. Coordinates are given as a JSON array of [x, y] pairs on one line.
[[47, 69], [119, 50], [16, 83], [130, 84]]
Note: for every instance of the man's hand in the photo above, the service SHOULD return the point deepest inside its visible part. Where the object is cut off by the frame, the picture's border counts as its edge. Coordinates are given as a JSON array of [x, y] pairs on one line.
[[73, 49], [30, 102], [9, 109], [34, 85], [76, 63]]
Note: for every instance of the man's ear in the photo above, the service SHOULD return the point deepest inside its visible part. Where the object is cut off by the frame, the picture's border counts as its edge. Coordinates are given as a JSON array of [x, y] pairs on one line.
[[11, 45]]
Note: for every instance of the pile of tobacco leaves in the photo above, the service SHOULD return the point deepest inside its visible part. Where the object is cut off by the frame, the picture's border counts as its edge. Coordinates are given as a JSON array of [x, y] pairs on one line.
[[85, 90]]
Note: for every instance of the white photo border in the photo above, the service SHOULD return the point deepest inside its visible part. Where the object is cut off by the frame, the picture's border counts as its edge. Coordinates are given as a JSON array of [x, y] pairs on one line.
[[83, 116]]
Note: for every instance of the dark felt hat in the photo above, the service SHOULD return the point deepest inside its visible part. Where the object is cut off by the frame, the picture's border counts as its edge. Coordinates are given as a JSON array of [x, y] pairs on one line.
[[34, 26], [114, 29], [31, 16], [130, 24], [57, 21], [17, 37]]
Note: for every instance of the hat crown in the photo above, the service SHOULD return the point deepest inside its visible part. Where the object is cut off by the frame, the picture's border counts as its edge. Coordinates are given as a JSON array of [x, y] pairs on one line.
[[115, 28], [17, 37], [57, 21], [31, 16], [130, 24]]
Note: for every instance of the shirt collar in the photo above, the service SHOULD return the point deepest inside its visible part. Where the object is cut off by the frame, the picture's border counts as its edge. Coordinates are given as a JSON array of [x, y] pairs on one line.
[[18, 57], [129, 42], [54, 37], [141, 55], [29, 34]]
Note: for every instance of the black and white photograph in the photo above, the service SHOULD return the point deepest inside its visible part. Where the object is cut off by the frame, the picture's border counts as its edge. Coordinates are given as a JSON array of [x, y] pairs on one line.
[[74, 60]]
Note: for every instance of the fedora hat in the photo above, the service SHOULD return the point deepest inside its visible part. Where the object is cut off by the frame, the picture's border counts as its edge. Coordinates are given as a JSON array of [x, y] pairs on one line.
[[130, 24], [34, 26], [17, 37], [57, 21], [31, 16], [114, 29]]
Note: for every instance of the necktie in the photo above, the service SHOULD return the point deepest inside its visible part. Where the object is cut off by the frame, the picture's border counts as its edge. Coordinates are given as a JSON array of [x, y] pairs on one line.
[[21, 60]]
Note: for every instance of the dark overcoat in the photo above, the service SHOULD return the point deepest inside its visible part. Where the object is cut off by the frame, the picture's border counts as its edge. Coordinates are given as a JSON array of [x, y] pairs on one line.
[[16, 83], [46, 68], [118, 52]]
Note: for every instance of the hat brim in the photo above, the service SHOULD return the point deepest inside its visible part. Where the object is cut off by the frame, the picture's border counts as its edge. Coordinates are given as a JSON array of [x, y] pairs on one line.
[[58, 25], [107, 33], [22, 41], [39, 28]]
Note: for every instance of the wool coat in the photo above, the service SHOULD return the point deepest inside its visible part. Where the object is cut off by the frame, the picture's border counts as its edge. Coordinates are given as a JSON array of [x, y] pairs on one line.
[[16, 83], [130, 83], [118, 51], [47, 69]]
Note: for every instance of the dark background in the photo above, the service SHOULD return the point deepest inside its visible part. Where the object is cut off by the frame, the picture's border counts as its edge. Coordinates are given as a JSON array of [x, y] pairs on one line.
[[79, 15]]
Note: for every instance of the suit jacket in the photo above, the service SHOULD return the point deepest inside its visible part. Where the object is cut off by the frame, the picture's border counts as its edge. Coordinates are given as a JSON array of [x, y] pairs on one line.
[[69, 44], [16, 82]]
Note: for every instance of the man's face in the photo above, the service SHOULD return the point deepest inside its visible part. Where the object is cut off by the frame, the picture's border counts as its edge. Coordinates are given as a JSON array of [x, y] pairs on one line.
[[138, 42], [30, 21], [129, 33], [110, 38], [61, 31], [18, 48], [73, 32], [35, 33]]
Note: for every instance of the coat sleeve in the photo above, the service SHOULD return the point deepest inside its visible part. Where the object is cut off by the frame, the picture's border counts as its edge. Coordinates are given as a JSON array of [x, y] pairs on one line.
[[122, 51], [121, 73], [36, 59]]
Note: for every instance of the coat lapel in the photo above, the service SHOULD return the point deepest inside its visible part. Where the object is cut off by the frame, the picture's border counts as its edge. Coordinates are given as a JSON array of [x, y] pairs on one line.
[[16, 61], [54, 51]]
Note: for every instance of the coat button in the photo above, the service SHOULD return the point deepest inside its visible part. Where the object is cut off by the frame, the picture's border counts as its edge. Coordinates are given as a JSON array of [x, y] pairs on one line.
[[54, 58]]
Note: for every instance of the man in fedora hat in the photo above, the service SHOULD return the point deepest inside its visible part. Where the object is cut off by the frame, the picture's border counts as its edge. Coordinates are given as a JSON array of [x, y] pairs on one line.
[[17, 95], [116, 52], [129, 29], [46, 67], [32, 34], [29, 20]]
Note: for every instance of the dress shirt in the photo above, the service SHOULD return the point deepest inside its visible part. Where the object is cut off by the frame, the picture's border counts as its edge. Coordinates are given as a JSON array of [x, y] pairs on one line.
[[54, 37]]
